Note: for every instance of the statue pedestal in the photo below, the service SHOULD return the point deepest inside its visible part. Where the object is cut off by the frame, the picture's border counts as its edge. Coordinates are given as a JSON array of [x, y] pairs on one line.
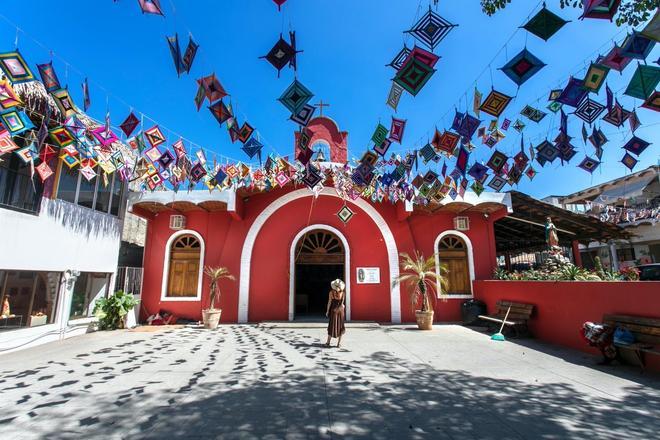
[[554, 261]]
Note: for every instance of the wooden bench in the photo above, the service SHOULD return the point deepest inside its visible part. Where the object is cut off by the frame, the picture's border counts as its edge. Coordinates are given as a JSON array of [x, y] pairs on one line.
[[646, 331], [518, 316]]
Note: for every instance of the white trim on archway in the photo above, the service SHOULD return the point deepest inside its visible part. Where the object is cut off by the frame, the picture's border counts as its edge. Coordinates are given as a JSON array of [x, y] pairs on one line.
[[470, 258], [292, 267], [251, 237], [166, 267]]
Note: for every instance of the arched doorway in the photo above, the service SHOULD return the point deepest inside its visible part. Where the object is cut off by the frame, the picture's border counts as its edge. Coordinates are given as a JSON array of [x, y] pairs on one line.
[[319, 257], [248, 251], [453, 255], [183, 268]]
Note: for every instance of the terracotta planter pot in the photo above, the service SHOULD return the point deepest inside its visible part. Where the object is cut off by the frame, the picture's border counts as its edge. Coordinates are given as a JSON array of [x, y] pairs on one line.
[[211, 318], [424, 320]]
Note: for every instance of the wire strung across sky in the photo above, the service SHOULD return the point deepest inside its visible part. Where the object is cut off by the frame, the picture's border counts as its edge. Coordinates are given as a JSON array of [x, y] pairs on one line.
[[69, 66]]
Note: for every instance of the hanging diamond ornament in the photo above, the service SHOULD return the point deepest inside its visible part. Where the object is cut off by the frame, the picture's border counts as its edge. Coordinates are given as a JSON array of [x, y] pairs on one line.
[[345, 214]]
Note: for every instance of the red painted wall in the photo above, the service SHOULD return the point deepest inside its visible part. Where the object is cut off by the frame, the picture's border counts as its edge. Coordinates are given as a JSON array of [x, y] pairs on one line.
[[269, 287], [563, 306], [224, 237]]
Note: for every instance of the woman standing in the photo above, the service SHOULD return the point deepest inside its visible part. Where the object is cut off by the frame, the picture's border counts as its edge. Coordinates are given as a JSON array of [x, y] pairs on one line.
[[335, 310]]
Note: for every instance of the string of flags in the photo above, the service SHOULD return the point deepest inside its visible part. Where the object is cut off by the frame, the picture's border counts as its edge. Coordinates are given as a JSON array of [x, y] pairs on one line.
[[182, 63], [415, 67], [209, 87], [577, 98], [151, 160]]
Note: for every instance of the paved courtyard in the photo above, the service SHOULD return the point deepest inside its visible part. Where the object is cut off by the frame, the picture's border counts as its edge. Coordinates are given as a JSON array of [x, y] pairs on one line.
[[280, 382]]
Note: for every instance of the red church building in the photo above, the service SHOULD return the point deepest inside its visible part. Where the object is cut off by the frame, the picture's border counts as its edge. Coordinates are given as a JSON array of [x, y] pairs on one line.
[[284, 246]]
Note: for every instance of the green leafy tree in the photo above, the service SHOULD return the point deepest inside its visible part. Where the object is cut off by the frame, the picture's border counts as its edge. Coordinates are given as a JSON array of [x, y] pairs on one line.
[[631, 12]]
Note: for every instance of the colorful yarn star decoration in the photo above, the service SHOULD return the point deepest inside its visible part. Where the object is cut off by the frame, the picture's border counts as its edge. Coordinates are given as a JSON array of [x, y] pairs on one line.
[[636, 146], [414, 75], [295, 97], [589, 164], [252, 147], [431, 29], [282, 54], [399, 59], [615, 59], [595, 77], [522, 67], [643, 82], [600, 9], [545, 24], [495, 103], [589, 110]]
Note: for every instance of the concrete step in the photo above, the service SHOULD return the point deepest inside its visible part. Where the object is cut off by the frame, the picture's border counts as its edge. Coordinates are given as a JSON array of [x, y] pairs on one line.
[[315, 324]]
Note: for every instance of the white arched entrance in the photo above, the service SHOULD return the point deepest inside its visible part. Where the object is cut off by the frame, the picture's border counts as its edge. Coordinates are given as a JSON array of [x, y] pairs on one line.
[[292, 267], [251, 237]]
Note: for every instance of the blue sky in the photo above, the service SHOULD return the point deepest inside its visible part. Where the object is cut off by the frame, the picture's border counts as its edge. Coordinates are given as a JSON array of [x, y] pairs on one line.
[[346, 45]]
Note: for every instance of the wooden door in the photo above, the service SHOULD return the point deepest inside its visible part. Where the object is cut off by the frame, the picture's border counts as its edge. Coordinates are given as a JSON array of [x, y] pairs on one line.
[[184, 267], [453, 256]]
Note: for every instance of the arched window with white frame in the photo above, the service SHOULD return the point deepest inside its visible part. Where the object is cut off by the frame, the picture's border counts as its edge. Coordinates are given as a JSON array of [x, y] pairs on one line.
[[183, 269], [453, 251]]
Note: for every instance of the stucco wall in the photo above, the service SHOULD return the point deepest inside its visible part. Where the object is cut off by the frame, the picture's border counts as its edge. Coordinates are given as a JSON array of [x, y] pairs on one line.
[[561, 307], [270, 263], [63, 236]]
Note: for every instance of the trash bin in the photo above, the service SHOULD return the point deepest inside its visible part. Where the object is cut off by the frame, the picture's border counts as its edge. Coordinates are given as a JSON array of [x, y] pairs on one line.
[[470, 310]]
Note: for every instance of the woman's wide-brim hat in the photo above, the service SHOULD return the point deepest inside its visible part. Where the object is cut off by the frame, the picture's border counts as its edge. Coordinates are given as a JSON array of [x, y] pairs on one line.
[[337, 284]]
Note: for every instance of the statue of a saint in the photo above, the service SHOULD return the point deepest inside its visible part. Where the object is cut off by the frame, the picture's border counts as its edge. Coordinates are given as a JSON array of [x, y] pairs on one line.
[[551, 235], [6, 311]]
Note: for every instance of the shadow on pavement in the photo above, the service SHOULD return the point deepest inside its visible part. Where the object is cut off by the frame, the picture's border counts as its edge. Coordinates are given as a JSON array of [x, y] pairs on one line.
[[379, 396]]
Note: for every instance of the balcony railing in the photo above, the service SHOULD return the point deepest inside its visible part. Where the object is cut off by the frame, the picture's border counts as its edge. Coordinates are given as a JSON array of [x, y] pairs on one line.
[[19, 192]]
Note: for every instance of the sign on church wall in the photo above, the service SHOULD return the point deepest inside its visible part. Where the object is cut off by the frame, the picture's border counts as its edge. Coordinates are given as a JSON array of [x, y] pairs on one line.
[[368, 275]]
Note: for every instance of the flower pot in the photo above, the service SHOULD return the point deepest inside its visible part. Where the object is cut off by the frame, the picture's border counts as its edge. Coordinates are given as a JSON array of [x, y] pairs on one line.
[[211, 318], [424, 320]]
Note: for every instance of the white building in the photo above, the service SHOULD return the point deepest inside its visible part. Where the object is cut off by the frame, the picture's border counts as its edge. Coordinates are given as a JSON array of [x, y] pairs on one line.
[[631, 202], [59, 247]]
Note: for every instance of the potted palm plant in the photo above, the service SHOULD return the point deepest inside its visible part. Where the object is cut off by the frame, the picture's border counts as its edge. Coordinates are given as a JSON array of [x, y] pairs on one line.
[[420, 274], [211, 316]]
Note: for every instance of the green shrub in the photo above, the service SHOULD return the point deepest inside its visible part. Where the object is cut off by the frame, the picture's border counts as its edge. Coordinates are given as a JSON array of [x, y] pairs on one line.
[[567, 272], [500, 274], [112, 310], [571, 272], [610, 275]]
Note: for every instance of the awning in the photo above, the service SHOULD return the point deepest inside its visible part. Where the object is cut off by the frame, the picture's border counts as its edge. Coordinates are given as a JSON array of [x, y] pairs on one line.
[[225, 200], [182, 201], [524, 229], [625, 191]]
